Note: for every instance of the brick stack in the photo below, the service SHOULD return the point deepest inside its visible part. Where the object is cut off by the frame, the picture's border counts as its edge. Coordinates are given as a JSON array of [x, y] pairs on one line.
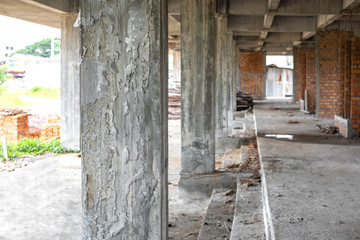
[[252, 73], [13, 124], [51, 129]]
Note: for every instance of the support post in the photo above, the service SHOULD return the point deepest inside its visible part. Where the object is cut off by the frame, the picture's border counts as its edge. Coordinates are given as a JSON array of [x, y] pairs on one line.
[[198, 86], [70, 82], [124, 119]]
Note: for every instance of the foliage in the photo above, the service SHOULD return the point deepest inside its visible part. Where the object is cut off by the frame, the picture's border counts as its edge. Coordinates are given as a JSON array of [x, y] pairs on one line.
[[2, 75], [10, 99], [41, 49], [30, 146], [44, 92]]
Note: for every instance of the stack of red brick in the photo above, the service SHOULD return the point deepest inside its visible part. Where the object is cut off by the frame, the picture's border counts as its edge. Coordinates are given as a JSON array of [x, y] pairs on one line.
[[13, 124], [51, 129]]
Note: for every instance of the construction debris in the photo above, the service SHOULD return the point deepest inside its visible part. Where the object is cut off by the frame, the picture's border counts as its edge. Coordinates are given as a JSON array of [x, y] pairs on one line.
[[328, 129], [174, 103], [243, 101]]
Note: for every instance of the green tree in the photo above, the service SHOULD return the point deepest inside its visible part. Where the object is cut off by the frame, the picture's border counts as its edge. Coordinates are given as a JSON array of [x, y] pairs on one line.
[[2, 75], [42, 48]]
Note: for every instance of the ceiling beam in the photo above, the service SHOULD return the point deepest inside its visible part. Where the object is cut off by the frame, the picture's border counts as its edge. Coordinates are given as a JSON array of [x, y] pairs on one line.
[[280, 24], [286, 8], [325, 20]]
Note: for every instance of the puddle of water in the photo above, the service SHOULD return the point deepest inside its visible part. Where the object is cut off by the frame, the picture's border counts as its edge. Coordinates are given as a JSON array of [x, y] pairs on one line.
[[280, 136]]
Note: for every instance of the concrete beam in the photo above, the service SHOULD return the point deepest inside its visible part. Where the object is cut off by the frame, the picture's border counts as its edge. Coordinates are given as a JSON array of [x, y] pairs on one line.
[[280, 24], [325, 20], [268, 20], [242, 33], [263, 34], [60, 6], [350, 3], [283, 37], [282, 52], [176, 46], [246, 38], [286, 7], [273, 4], [174, 7], [245, 23], [31, 12], [246, 7], [174, 27], [293, 24]]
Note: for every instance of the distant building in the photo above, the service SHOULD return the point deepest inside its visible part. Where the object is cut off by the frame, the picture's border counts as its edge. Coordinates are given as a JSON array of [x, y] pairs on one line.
[[6, 49]]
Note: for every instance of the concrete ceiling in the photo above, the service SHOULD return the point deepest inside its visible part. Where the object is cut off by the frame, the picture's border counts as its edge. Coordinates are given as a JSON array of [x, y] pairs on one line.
[[45, 12], [276, 26]]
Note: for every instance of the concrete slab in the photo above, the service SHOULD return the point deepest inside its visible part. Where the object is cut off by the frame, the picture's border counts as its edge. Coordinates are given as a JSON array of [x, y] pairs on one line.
[[248, 220], [219, 215], [310, 179]]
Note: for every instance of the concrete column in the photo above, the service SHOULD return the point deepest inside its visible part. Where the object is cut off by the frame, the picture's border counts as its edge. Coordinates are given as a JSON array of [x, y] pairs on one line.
[[70, 82], [222, 81], [235, 69], [238, 73], [230, 79], [198, 86], [124, 119], [177, 68]]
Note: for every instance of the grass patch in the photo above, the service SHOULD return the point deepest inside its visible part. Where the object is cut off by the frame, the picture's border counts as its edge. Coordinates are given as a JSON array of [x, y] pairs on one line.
[[43, 92], [30, 146], [11, 100]]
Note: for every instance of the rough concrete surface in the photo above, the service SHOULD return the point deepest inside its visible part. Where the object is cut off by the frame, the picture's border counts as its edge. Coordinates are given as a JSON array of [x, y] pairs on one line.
[[310, 179], [198, 86], [219, 215], [124, 76], [42, 201]]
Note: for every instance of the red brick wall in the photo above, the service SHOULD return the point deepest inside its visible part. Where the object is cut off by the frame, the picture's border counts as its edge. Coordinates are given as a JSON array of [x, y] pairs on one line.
[[330, 73], [252, 73], [305, 75], [311, 79], [300, 73], [355, 84]]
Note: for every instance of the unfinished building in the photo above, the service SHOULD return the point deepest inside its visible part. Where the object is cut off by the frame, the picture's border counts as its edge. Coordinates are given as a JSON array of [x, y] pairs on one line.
[[114, 100]]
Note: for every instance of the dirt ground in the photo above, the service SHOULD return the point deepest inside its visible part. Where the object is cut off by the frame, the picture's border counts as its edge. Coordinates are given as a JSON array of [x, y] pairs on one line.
[[40, 197]]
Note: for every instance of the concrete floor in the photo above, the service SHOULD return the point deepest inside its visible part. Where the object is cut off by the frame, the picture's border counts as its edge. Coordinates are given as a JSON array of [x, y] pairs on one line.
[[312, 184], [42, 201], [311, 178]]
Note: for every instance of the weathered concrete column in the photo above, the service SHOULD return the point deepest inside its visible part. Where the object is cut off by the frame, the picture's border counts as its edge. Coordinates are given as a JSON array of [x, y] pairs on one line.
[[222, 81], [70, 82], [177, 68], [231, 89], [124, 119], [198, 86], [235, 71]]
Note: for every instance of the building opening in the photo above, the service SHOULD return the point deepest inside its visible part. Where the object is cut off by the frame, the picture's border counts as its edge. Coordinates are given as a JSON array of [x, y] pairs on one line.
[[279, 77]]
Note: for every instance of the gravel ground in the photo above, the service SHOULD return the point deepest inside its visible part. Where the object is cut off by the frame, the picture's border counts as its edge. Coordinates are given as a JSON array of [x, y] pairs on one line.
[[40, 197], [42, 200]]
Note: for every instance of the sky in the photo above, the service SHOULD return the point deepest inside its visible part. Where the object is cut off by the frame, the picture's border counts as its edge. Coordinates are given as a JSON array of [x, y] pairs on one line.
[[19, 33]]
